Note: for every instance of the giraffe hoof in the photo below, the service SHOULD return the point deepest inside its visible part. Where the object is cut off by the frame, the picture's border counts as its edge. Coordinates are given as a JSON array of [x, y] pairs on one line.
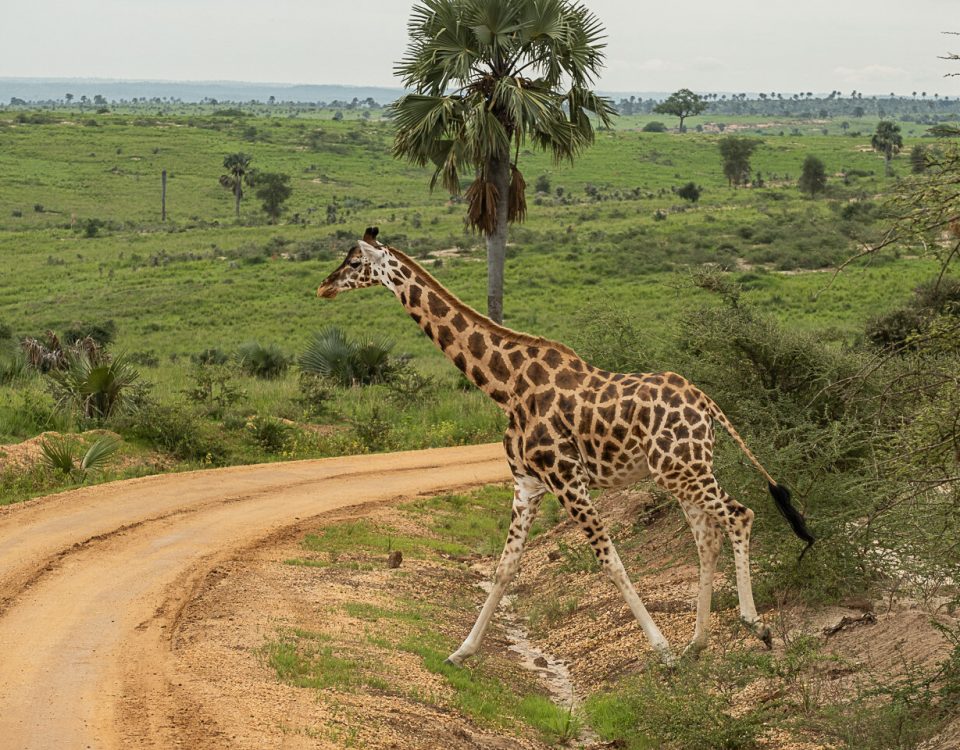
[[452, 661]]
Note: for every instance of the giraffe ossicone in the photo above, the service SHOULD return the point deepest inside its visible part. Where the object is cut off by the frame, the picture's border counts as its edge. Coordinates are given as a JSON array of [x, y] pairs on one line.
[[573, 427]]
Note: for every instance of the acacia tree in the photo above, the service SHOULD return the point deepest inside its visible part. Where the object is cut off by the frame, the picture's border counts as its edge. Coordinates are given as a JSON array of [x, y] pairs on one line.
[[488, 76], [735, 151], [238, 174], [683, 104], [887, 141], [813, 176], [273, 189]]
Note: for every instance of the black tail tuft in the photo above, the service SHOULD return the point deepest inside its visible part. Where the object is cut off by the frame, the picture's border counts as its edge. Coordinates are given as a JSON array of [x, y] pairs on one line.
[[781, 496]]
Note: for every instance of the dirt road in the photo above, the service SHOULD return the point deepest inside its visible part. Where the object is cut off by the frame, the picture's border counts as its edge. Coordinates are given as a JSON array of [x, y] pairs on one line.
[[92, 581]]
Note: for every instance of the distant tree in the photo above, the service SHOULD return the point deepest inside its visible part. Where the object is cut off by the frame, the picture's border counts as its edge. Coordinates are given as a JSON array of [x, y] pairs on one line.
[[918, 159], [542, 185], [887, 141], [859, 111], [69, 98], [683, 104], [485, 78], [845, 126], [813, 176], [273, 189], [689, 192], [99, 100], [238, 174], [337, 116], [735, 151], [654, 126]]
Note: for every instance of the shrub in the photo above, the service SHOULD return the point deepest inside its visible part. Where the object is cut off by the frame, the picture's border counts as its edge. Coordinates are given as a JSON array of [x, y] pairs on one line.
[[315, 394], [266, 362], [689, 192], [373, 430], [174, 429], [654, 127], [270, 434], [213, 387], [210, 357], [103, 333], [332, 354]]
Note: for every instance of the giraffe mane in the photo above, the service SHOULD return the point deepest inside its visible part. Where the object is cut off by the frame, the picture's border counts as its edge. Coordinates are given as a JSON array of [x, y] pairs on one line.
[[450, 298]]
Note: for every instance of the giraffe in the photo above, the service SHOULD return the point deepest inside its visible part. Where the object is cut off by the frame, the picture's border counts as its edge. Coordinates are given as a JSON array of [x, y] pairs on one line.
[[572, 427]]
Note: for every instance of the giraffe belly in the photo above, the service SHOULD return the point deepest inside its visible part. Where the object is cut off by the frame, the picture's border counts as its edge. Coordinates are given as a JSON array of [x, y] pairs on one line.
[[622, 470]]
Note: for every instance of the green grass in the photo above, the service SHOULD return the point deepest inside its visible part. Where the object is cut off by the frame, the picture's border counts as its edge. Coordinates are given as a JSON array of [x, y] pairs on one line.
[[593, 244]]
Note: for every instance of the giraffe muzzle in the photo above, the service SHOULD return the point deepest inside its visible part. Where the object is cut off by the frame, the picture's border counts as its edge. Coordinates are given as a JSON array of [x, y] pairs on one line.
[[327, 291]]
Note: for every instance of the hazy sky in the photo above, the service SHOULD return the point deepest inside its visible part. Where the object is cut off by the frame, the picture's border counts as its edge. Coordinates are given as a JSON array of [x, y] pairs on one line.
[[720, 45]]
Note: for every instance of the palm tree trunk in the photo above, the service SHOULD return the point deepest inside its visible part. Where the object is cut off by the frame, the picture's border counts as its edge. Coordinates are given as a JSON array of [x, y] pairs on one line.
[[887, 161], [236, 194], [499, 172]]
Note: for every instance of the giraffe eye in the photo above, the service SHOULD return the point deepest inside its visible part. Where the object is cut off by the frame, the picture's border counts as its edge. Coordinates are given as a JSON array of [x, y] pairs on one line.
[[355, 263]]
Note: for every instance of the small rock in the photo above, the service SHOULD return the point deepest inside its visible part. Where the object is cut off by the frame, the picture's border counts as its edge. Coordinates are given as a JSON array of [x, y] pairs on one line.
[[554, 555], [540, 662], [395, 558]]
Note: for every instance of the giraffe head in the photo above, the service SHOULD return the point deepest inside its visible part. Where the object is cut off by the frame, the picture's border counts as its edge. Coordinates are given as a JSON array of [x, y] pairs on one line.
[[364, 266]]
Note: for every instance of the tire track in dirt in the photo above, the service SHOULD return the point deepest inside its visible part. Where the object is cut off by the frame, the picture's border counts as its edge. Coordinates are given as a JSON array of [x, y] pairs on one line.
[[92, 582]]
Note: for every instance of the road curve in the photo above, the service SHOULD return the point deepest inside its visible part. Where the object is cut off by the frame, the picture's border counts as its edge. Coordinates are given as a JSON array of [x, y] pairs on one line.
[[92, 580]]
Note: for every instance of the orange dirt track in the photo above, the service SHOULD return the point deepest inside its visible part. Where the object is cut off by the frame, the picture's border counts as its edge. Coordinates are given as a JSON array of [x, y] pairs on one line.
[[92, 581]]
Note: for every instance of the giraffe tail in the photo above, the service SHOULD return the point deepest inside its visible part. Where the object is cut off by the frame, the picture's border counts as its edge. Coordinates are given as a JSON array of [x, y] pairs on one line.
[[781, 495]]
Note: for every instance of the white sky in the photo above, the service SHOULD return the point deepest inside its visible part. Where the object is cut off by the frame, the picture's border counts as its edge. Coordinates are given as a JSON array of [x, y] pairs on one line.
[[706, 45]]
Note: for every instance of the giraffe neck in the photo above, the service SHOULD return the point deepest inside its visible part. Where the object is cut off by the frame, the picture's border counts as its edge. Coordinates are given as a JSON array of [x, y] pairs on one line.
[[486, 353]]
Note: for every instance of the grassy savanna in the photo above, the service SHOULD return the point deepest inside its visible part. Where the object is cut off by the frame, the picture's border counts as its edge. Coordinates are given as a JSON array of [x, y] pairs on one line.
[[82, 244]]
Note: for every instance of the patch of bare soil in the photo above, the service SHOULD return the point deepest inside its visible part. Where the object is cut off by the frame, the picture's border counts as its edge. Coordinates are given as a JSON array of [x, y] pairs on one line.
[[22, 456], [223, 637], [563, 609]]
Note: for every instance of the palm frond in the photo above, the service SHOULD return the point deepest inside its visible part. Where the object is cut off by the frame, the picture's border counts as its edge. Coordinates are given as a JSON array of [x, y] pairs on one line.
[[57, 454], [99, 453]]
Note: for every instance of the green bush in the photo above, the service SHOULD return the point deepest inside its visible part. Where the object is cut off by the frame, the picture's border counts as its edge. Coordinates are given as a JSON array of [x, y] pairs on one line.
[[103, 333], [654, 127], [270, 434], [174, 429], [266, 362], [212, 356]]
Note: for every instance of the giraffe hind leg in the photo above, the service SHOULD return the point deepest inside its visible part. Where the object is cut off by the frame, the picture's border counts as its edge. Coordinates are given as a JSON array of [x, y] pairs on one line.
[[709, 539], [703, 492]]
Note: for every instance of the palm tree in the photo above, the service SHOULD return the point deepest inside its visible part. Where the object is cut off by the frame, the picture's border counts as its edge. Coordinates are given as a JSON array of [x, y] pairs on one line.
[[238, 174], [488, 76], [887, 141]]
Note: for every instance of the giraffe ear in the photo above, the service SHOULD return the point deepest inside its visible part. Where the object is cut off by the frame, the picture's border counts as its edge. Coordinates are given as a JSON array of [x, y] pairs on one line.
[[371, 251]]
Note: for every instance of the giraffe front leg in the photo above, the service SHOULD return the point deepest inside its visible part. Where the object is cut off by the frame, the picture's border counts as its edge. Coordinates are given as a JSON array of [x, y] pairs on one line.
[[527, 495]]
